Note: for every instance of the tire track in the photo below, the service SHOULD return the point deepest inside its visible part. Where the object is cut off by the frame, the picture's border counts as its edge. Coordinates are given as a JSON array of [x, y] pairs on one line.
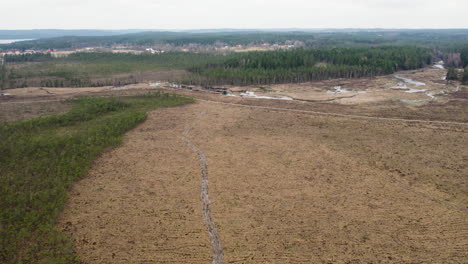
[[213, 233]]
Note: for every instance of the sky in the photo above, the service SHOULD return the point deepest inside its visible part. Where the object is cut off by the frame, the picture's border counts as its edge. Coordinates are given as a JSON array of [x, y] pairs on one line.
[[211, 14]]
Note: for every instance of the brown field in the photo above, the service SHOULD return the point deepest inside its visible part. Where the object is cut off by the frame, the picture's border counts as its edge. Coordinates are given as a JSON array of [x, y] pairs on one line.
[[286, 185]]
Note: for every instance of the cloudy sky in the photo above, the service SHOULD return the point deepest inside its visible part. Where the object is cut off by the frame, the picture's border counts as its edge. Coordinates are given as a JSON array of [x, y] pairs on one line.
[[197, 14]]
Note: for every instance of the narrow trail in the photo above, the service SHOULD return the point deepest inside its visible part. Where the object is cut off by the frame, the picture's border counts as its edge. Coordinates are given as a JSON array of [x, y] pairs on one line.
[[213, 233]]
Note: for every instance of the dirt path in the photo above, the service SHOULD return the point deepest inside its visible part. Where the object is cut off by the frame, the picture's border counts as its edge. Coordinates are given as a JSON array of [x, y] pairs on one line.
[[215, 240], [286, 187]]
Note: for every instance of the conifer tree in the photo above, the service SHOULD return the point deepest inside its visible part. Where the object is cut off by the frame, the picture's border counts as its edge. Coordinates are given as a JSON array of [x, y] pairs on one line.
[[465, 76], [452, 74]]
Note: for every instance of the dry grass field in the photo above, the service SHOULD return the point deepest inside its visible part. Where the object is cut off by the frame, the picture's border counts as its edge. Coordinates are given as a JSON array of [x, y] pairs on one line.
[[286, 186]]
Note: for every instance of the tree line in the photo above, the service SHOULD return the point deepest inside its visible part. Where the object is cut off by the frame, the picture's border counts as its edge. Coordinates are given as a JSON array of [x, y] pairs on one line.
[[309, 64], [429, 38], [30, 57]]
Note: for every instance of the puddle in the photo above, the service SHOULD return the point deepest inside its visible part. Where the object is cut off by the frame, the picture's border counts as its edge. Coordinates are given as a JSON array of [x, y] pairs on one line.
[[410, 81], [4, 94], [253, 95]]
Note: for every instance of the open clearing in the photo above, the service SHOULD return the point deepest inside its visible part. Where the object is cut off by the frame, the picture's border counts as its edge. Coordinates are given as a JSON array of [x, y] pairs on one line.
[[284, 186]]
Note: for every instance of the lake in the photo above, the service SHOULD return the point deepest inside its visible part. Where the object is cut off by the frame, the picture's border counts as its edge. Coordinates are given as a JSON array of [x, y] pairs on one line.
[[8, 41]]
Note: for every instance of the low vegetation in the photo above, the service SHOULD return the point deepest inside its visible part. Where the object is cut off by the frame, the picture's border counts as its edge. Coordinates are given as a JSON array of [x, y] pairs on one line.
[[41, 158], [465, 76], [452, 74], [84, 69]]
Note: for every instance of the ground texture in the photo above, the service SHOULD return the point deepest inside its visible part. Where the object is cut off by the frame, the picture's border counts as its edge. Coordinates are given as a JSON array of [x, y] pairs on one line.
[[285, 187]]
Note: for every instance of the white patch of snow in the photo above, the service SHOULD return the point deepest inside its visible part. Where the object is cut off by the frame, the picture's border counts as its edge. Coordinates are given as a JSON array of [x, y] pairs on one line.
[[253, 95], [339, 90], [430, 95], [415, 91], [406, 80], [411, 101], [157, 84], [174, 85], [401, 85], [439, 65]]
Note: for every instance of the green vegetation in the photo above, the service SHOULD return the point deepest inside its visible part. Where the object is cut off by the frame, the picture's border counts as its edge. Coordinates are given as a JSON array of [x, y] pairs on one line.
[[41, 158], [281, 66], [465, 76], [28, 57], [3, 76], [300, 65], [309, 38], [324, 55], [464, 56], [452, 74], [85, 69]]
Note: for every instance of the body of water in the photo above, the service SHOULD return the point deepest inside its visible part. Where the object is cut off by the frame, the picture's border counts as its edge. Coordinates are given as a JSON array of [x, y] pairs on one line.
[[8, 41]]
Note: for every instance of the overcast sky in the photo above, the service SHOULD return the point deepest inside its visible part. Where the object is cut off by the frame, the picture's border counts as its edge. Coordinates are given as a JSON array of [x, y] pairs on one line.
[[203, 14]]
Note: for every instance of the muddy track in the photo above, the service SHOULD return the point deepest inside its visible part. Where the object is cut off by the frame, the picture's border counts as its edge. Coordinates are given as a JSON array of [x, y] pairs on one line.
[[213, 233]]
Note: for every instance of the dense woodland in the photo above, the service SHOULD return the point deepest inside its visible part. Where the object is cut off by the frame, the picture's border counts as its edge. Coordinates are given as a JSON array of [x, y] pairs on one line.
[[465, 76], [441, 39], [464, 56], [324, 55], [302, 65], [281, 66], [35, 57]]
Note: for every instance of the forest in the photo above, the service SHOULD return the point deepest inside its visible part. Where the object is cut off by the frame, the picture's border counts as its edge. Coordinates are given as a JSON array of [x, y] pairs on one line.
[[323, 55], [88, 69], [309, 64], [446, 39], [35, 57]]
